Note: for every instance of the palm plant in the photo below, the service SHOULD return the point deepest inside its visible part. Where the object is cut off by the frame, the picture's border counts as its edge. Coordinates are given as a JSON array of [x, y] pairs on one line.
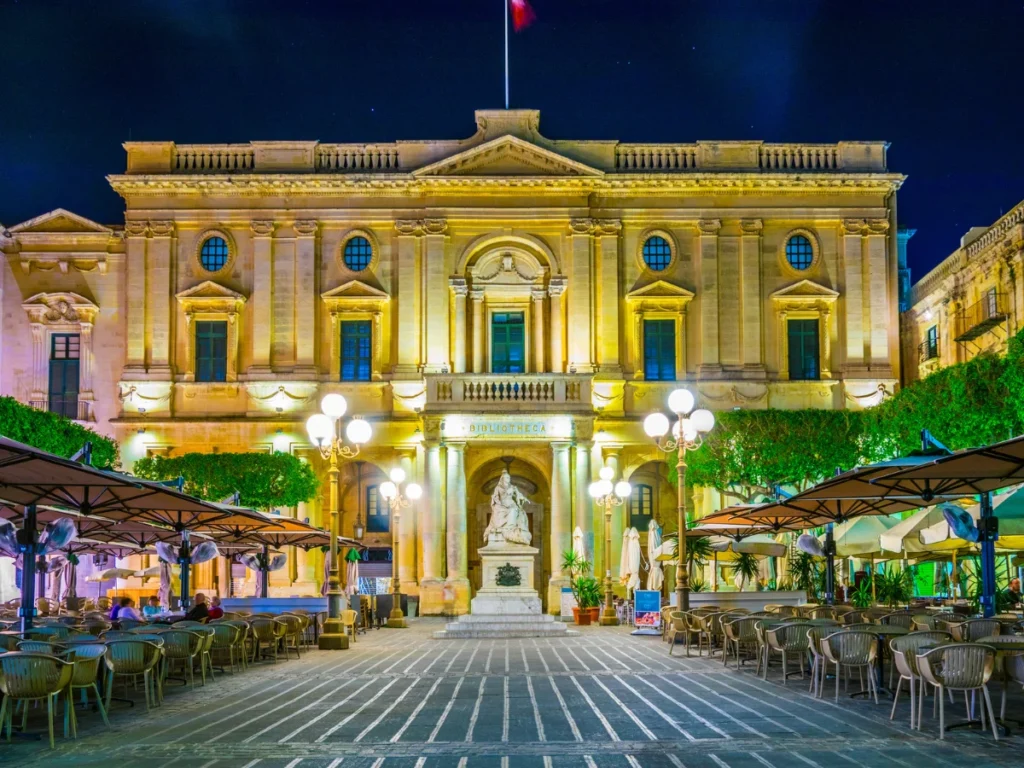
[[861, 596], [747, 566], [577, 567], [894, 586], [804, 569]]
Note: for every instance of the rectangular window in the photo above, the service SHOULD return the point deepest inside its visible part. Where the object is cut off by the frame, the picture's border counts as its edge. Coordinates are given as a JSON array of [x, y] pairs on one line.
[[378, 513], [804, 355], [211, 350], [991, 304], [508, 336], [932, 343], [65, 349], [641, 507], [356, 350], [660, 350]]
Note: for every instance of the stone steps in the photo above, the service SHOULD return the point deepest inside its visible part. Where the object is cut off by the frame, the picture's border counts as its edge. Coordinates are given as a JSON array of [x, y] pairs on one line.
[[506, 618], [499, 625]]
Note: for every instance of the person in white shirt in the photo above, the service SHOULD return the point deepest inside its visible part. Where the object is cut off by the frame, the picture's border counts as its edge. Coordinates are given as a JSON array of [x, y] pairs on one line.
[[127, 610]]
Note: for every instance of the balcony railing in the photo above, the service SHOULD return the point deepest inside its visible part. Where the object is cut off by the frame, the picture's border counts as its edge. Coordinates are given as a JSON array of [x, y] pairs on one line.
[[75, 409], [982, 316], [508, 392], [928, 350]]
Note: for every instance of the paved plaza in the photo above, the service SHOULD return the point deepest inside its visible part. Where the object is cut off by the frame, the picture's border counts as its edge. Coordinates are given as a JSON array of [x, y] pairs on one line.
[[402, 699]]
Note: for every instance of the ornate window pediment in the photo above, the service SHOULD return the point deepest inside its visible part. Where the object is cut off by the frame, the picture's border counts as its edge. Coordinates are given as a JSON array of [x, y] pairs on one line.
[[659, 295], [507, 156], [205, 302], [805, 294], [660, 300], [210, 297], [805, 300], [60, 309], [60, 221], [355, 295], [356, 300]]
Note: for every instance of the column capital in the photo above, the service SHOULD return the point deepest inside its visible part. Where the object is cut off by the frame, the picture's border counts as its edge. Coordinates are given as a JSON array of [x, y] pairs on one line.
[[751, 226], [413, 227], [136, 228], [435, 226], [476, 294], [459, 286], [305, 227], [854, 226], [581, 226], [556, 286], [877, 226], [709, 226], [161, 228], [262, 228], [611, 449], [538, 294]]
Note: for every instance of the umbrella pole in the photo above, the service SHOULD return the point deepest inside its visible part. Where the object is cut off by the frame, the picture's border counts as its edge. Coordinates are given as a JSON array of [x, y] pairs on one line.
[[954, 580], [27, 539], [830, 564], [714, 573], [873, 580], [265, 571], [989, 529], [185, 561]]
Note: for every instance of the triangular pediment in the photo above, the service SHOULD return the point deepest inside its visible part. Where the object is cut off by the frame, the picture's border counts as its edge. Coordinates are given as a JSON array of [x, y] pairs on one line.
[[62, 221], [355, 289], [507, 156], [807, 290], [660, 289], [209, 290]]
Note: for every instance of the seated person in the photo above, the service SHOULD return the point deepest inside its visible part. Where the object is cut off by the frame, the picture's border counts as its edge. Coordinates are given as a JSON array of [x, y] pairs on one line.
[[152, 608], [215, 611], [1014, 591], [115, 609], [200, 611], [127, 610]]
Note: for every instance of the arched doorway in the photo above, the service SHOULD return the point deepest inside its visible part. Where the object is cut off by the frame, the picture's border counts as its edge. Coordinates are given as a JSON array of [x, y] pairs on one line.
[[534, 485], [653, 498]]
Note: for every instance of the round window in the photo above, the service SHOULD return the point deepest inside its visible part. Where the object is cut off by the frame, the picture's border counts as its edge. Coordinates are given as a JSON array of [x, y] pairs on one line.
[[214, 254], [799, 252], [358, 253], [657, 253]]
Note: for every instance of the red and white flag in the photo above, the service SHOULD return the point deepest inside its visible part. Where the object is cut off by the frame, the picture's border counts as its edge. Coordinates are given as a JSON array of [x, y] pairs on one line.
[[522, 14]]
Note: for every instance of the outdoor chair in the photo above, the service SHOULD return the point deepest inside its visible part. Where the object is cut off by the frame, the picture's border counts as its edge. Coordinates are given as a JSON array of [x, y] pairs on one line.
[[187, 624], [264, 634], [41, 646], [922, 622], [183, 647], [874, 614], [678, 630], [241, 641], [863, 626], [963, 667], [1008, 664], [117, 634], [786, 639], [815, 634], [772, 608], [738, 633], [46, 632], [96, 627], [206, 651], [822, 612], [27, 677], [103, 604], [852, 649], [898, 619], [842, 610], [348, 623], [87, 660], [904, 661], [131, 658], [973, 630], [72, 640], [852, 617], [706, 631], [292, 633], [225, 643], [127, 624]]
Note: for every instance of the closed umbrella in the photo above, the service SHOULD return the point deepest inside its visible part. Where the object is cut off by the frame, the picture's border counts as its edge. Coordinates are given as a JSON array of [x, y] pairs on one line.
[[655, 575], [633, 582], [164, 592], [861, 537], [352, 572], [624, 557], [71, 579], [577, 544], [325, 585]]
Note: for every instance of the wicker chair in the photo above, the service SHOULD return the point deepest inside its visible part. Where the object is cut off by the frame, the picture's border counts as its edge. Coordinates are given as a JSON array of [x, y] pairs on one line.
[[87, 659], [737, 633], [205, 651], [815, 634], [852, 649], [294, 627], [264, 634], [130, 658], [183, 647], [959, 667], [904, 661], [678, 629], [41, 646], [29, 677], [786, 639], [852, 617], [903, 619], [821, 612], [225, 643], [973, 630], [242, 641]]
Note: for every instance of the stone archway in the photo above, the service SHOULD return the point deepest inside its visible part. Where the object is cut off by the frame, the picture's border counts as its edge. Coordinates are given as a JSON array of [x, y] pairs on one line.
[[534, 484]]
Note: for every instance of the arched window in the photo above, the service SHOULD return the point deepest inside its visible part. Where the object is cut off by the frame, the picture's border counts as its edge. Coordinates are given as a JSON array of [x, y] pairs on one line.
[[641, 507], [799, 252], [657, 253], [358, 253], [214, 254]]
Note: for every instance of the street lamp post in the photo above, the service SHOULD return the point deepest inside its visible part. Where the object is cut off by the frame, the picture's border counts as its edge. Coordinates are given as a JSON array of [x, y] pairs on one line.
[[686, 436], [606, 495], [324, 430], [391, 492]]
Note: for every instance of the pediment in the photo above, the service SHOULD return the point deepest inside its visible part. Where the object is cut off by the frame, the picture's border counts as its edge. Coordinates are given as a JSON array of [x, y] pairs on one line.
[[357, 290], [507, 156], [209, 290], [58, 308], [805, 291], [660, 290], [60, 221]]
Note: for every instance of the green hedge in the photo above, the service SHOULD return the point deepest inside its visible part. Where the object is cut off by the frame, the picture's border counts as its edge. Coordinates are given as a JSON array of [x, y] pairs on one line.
[[53, 433]]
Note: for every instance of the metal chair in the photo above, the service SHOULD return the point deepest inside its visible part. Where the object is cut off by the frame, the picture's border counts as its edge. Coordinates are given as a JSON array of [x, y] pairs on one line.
[[678, 629], [738, 633], [26, 677], [225, 642], [786, 639], [264, 633], [184, 647], [959, 667], [87, 659], [904, 660], [852, 649], [131, 658]]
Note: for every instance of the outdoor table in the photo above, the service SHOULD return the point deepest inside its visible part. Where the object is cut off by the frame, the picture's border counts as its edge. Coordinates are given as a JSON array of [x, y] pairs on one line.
[[884, 632]]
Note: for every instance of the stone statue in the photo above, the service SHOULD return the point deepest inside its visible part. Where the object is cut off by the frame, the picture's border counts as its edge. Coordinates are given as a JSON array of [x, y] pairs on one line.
[[508, 513]]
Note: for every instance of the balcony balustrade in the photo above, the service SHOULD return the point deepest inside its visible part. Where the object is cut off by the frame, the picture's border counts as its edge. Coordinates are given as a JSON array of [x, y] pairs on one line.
[[928, 350], [474, 392], [982, 316]]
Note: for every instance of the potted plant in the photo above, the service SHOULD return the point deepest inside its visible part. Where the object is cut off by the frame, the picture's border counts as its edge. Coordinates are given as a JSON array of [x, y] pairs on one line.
[[861, 596], [589, 598], [576, 567], [746, 568]]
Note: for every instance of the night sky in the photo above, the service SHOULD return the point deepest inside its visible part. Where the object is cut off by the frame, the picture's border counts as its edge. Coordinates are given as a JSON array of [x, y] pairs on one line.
[[940, 80]]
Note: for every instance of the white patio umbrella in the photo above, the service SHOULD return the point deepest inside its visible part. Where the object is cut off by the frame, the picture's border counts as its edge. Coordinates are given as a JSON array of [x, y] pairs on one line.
[[624, 557], [633, 557], [327, 573], [655, 575], [352, 577], [112, 574], [164, 592], [577, 544], [758, 544], [905, 536]]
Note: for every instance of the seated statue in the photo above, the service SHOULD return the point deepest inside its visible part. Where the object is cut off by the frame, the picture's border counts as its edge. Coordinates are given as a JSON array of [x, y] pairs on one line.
[[508, 513]]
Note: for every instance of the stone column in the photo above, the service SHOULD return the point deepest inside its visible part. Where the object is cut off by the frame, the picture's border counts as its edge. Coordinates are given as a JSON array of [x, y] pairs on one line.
[[750, 292], [86, 354], [853, 293], [710, 362], [537, 320], [40, 363], [584, 503], [262, 255], [581, 295], [409, 298], [608, 331], [561, 521], [160, 286], [459, 291], [619, 514], [879, 298], [457, 581], [477, 297], [305, 298], [431, 527], [435, 297], [407, 528], [282, 342], [556, 288], [135, 296]]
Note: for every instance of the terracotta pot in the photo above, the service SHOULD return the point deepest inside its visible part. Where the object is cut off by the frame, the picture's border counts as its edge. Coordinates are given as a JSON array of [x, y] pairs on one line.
[[576, 614], [595, 614], [582, 617]]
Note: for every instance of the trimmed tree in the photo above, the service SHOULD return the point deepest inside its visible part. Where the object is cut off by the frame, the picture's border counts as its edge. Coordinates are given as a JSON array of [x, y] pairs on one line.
[[56, 434], [263, 480]]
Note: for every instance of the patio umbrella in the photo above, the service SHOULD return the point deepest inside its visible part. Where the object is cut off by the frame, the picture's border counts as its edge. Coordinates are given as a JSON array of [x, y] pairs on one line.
[[633, 581], [164, 592], [324, 586], [905, 536], [975, 471], [111, 574], [861, 537], [262, 564], [655, 575], [624, 557], [763, 544], [577, 544], [352, 572]]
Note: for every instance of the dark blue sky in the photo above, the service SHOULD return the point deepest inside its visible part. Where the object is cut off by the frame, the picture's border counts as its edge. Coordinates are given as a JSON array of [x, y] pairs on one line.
[[940, 80]]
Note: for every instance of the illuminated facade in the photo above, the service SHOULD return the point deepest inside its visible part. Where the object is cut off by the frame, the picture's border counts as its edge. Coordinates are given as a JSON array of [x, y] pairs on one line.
[[501, 300], [972, 302]]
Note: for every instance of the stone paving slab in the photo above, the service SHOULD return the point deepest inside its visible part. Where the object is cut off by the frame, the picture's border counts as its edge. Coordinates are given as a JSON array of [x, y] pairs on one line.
[[399, 699]]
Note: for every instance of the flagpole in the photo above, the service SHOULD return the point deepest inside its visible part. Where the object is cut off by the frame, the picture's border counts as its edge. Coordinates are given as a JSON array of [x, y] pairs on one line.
[[504, 10]]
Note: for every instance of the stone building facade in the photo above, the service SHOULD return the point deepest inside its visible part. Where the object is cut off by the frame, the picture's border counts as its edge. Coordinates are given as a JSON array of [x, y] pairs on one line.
[[501, 300], [972, 302]]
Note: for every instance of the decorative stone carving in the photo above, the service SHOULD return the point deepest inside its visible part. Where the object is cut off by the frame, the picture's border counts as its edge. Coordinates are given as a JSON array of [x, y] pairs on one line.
[[136, 228], [60, 309], [261, 228], [305, 227], [751, 226], [161, 228], [409, 226], [854, 227], [709, 226], [509, 522], [435, 226]]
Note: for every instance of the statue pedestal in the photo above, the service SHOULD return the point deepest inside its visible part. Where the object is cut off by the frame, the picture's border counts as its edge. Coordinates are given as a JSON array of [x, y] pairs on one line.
[[502, 609]]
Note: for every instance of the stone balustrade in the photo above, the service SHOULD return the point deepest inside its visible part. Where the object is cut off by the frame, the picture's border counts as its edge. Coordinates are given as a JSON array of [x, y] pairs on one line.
[[213, 158], [356, 158], [508, 392]]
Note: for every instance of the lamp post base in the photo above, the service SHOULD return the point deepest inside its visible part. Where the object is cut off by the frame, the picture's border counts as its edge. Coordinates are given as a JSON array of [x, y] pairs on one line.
[[333, 638], [608, 617], [396, 620]]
